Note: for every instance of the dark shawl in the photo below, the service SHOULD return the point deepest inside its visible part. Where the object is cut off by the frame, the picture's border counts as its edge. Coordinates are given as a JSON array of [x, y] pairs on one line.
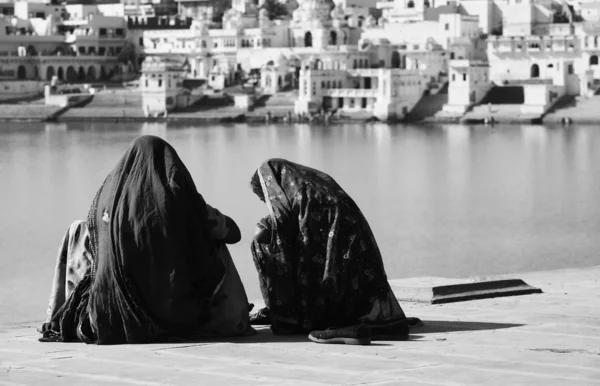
[[156, 264], [323, 267]]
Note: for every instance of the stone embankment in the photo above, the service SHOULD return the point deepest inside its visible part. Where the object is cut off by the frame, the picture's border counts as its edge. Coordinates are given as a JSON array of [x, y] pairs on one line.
[[552, 338]]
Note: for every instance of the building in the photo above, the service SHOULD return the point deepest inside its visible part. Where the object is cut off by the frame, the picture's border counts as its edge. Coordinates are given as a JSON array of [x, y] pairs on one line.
[[469, 83], [362, 81], [81, 50], [161, 84]]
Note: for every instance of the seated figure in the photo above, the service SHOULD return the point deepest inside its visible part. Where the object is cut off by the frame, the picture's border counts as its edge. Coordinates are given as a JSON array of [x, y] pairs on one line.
[[319, 266], [150, 264]]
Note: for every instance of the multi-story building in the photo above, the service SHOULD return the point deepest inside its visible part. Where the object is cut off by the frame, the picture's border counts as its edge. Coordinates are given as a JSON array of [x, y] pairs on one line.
[[53, 44], [367, 79], [535, 46]]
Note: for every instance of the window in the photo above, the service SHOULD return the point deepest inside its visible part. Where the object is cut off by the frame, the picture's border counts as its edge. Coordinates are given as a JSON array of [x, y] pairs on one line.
[[160, 83], [447, 27], [314, 88], [40, 15], [102, 51], [141, 42], [119, 32], [465, 77], [102, 32], [453, 77]]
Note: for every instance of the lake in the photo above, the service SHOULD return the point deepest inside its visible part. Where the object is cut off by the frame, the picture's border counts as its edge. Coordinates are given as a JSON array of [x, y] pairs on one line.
[[443, 200]]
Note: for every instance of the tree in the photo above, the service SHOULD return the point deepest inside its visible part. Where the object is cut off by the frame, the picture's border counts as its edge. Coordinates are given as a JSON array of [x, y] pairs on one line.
[[128, 54], [219, 9], [275, 9]]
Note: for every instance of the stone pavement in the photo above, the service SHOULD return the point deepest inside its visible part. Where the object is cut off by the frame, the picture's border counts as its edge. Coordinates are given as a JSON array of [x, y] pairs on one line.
[[541, 339]]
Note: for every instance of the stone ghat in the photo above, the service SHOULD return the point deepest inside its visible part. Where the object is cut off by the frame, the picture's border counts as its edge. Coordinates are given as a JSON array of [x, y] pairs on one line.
[[549, 338]]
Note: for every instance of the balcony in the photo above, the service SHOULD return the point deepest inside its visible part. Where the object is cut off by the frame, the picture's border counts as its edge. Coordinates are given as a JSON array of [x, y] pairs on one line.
[[364, 72], [351, 93]]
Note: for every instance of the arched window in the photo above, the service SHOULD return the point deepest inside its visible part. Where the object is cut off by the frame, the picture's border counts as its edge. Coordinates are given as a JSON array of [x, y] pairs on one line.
[[60, 73], [535, 71], [333, 38], [49, 73], [308, 39], [91, 73], [410, 4], [22, 72], [71, 74], [81, 74], [395, 59]]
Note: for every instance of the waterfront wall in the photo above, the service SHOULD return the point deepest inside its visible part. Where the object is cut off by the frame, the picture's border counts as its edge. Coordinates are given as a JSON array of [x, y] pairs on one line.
[[16, 89]]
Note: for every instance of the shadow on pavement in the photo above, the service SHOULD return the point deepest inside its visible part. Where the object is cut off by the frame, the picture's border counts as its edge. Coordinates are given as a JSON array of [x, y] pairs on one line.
[[433, 326]]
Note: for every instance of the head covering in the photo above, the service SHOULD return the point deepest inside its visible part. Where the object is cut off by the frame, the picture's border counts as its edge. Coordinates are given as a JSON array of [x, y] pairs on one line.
[[155, 262], [323, 266]]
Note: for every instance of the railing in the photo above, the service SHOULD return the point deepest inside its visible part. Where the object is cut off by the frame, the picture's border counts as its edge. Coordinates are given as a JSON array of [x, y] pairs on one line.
[[351, 92], [370, 72]]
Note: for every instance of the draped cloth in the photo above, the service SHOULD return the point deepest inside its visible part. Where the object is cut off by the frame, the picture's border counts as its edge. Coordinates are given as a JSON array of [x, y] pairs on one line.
[[156, 266], [323, 267]]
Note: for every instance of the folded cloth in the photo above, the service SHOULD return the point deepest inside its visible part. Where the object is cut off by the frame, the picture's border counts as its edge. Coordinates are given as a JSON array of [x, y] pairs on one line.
[[261, 317], [358, 335]]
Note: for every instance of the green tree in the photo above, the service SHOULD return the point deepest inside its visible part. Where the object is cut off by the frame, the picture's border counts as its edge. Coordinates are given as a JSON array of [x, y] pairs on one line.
[[275, 9]]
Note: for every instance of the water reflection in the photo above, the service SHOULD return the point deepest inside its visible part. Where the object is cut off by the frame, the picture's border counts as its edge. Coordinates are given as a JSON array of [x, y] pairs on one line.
[[446, 200]]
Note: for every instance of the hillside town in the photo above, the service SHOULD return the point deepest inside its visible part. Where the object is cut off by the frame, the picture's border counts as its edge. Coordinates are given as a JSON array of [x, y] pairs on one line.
[[302, 60]]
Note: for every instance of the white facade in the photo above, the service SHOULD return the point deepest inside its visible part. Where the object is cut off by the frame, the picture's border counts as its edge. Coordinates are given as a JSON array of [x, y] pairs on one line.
[[337, 84], [74, 50], [469, 82], [161, 85]]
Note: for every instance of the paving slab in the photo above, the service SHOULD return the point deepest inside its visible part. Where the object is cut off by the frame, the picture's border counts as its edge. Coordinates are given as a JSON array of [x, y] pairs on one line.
[[550, 338]]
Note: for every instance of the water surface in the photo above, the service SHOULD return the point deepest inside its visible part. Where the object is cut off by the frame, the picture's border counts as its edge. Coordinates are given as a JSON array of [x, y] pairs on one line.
[[449, 201]]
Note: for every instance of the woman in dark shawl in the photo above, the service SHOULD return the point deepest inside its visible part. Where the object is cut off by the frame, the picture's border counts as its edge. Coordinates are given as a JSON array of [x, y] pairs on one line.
[[318, 263], [158, 265]]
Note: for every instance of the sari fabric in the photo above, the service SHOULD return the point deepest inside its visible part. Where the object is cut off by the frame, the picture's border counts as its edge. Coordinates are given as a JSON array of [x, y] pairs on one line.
[[323, 267], [73, 263], [156, 265]]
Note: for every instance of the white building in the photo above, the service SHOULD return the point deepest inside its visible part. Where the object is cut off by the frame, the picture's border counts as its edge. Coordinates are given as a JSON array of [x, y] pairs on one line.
[[348, 84], [162, 85], [73, 50], [469, 83], [404, 22]]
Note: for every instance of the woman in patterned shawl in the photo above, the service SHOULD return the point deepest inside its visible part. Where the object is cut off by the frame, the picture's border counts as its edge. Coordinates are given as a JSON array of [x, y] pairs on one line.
[[150, 263], [318, 263]]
